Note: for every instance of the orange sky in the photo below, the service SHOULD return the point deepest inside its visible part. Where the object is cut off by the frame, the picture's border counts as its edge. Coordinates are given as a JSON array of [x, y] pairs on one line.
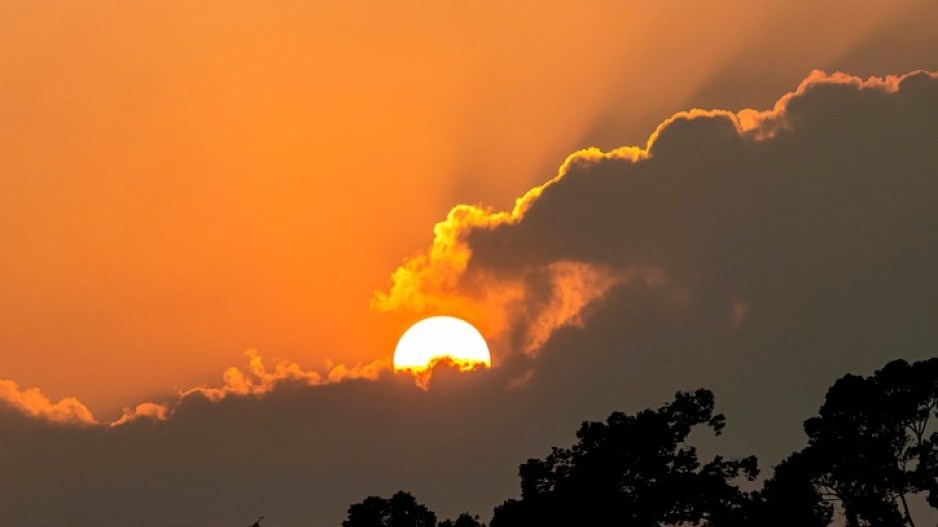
[[181, 181]]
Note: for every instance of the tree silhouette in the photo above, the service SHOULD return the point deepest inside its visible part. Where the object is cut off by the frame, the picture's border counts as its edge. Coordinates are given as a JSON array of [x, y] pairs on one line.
[[464, 520], [401, 510], [789, 498], [635, 470], [872, 444], [869, 447]]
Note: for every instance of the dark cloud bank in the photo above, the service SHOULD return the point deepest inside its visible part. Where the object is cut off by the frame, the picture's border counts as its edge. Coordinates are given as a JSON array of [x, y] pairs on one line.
[[789, 255]]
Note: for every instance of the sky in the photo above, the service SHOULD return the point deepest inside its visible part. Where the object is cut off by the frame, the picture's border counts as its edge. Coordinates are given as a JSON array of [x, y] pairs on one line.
[[218, 218]]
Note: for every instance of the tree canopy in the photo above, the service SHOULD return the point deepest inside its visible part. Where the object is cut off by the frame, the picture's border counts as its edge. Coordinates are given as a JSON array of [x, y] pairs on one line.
[[631, 470], [872, 445], [400, 510]]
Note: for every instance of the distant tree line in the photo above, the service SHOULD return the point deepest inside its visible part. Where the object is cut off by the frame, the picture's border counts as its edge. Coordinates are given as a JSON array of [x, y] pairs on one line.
[[871, 446]]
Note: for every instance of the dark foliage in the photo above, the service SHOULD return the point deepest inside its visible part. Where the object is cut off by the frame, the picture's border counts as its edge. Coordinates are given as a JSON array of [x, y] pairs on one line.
[[872, 445], [401, 510], [464, 520], [787, 499], [631, 470]]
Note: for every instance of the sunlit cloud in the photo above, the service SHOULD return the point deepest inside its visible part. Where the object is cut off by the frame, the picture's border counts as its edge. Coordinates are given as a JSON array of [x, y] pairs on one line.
[[367, 371], [445, 278], [152, 411], [437, 281], [32, 402], [257, 379], [424, 374]]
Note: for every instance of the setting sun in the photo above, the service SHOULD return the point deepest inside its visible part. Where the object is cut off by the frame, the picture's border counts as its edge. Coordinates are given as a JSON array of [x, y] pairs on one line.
[[441, 338]]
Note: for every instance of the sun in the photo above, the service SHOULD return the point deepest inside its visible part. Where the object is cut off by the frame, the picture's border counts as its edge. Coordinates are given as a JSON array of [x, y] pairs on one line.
[[441, 339]]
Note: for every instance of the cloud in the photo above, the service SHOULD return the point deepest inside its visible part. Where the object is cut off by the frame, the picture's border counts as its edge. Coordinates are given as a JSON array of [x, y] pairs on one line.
[[257, 379], [297, 455], [367, 371], [32, 402], [697, 192], [154, 411], [437, 282]]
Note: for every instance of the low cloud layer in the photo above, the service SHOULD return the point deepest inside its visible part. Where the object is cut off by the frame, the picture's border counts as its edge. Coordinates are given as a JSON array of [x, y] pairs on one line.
[[257, 379], [761, 254]]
